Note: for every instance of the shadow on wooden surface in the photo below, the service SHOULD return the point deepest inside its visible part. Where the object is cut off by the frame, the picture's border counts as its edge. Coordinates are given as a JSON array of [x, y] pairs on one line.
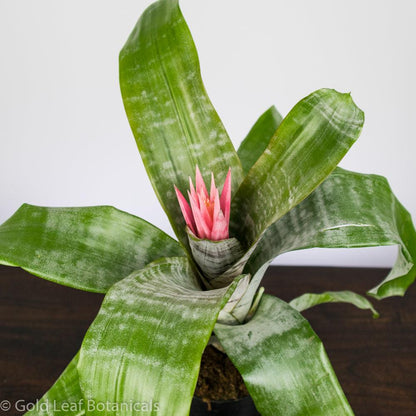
[[42, 325]]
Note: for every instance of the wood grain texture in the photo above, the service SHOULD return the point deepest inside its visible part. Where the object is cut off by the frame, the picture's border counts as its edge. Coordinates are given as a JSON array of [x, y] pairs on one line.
[[42, 326]]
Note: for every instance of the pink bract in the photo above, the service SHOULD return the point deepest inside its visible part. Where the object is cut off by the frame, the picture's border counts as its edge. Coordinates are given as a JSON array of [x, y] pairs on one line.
[[207, 215]]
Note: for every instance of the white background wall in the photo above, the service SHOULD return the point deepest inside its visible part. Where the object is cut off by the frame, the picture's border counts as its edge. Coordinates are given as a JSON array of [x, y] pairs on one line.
[[64, 138]]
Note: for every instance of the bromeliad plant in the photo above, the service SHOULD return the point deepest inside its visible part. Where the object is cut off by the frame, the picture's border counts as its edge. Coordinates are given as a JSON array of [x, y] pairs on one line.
[[165, 298]]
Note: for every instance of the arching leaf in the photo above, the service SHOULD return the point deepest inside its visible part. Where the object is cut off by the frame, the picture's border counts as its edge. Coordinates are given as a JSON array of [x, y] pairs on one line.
[[309, 300], [306, 148], [174, 123], [283, 363], [88, 248], [348, 210], [258, 138], [146, 343]]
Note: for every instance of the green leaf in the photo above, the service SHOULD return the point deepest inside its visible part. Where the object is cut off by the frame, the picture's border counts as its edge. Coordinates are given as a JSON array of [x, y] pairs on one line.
[[64, 397], [242, 309], [283, 363], [258, 138], [174, 123], [307, 146], [308, 300], [226, 314], [216, 258], [147, 341], [348, 210], [87, 248]]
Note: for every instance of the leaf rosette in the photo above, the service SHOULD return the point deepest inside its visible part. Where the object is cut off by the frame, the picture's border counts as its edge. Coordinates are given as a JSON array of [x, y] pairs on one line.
[[165, 298]]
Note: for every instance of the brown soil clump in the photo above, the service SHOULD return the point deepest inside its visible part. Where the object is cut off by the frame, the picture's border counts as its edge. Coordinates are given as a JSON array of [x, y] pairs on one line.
[[218, 378]]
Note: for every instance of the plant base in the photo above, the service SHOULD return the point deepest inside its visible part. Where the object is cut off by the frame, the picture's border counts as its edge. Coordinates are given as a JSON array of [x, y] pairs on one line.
[[220, 388]]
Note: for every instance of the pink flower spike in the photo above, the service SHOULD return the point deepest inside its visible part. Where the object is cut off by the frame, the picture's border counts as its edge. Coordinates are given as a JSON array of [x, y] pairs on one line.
[[207, 215], [225, 201], [200, 184], [204, 208], [220, 228], [216, 203], [186, 210], [203, 231], [213, 189], [192, 194]]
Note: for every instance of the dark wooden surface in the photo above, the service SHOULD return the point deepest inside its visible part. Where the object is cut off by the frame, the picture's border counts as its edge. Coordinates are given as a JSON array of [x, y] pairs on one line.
[[42, 325]]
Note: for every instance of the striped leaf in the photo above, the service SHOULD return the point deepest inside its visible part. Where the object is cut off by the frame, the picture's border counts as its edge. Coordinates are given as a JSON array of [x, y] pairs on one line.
[[64, 397], [226, 314], [146, 343], [86, 248], [308, 300], [174, 123], [217, 259], [258, 138], [243, 309], [283, 363], [249, 152], [307, 146], [348, 210]]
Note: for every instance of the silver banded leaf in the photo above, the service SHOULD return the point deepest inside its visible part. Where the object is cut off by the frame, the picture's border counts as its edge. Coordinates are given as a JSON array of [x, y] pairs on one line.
[[283, 363], [242, 304], [146, 344], [314, 136], [226, 314], [308, 300], [87, 248], [215, 258], [64, 397], [348, 210], [174, 123], [241, 310], [258, 138]]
